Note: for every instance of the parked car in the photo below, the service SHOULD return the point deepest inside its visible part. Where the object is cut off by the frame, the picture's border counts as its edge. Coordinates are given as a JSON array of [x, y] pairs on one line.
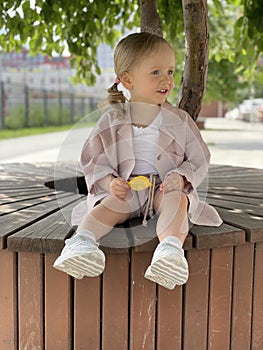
[[232, 114], [251, 110]]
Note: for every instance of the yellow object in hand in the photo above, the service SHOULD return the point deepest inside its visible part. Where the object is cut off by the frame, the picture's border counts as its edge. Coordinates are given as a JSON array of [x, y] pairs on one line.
[[139, 183]]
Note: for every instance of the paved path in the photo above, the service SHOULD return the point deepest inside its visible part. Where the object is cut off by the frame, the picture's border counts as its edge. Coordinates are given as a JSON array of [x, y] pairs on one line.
[[234, 142], [231, 142], [63, 146]]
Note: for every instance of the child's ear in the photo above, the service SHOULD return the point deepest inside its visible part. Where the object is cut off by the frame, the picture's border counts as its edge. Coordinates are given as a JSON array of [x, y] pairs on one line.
[[126, 81]]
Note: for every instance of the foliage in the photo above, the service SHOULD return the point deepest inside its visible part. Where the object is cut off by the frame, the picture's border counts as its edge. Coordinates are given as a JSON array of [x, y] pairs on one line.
[[50, 26], [236, 35], [171, 15], [56, 115], [236, 40], [223, 84], [17, 118]]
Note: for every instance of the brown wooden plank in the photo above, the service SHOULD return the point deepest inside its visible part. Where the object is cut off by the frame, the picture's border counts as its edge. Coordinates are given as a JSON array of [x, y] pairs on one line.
[[236, 199], [8, 301], [229, 169], [244, 208], [239, 187], [237, 178], [57, 307], [18, 185], [30, 301], [87, 313], [251, 173], [151, 245], [10, 207], [169, 318], [115, 302], [14, 193], [213, 237], [252, 225], [257, 322], [248, 190], [142, 307], [233, 172], [216, 170], [196, 300], [19, 220], [242, 296], [37, 172], [240, 178], [237, 181], [224, 190], [220, 298], [47, 234], [21, 168]]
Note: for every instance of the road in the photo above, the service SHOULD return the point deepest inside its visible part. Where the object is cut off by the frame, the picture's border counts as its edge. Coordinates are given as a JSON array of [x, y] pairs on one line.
[[231, 142]]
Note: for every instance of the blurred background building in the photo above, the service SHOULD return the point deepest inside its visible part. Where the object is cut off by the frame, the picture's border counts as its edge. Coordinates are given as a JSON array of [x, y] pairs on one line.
[[38, 90]]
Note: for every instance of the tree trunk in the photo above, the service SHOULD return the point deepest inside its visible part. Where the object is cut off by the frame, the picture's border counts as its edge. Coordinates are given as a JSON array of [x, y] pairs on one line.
[[196, 56], [150, 20]]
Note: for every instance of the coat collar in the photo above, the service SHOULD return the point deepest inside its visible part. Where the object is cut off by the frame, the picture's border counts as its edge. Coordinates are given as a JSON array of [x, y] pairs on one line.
[[170, 119]]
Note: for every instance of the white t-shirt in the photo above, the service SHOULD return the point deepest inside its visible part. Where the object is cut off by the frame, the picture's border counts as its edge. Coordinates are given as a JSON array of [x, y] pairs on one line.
[[145, 141]]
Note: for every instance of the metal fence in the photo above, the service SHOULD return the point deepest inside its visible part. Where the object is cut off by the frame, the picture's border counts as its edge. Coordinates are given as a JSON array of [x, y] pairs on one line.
[[23, 106]]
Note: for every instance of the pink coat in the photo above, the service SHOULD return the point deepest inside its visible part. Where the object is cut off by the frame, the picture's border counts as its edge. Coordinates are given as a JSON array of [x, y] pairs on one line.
[[109, 150]]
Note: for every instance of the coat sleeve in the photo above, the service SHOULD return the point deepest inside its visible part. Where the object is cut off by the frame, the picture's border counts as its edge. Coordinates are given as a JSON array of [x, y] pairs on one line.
[[95, 162], [197, 156]]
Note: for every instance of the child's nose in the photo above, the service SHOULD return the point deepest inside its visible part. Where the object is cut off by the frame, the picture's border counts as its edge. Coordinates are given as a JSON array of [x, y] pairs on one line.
[[166, 78]]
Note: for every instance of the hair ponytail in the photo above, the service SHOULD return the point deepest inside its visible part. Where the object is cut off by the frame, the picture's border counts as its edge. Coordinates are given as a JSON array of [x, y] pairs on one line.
[[114, 95], [116, 100]]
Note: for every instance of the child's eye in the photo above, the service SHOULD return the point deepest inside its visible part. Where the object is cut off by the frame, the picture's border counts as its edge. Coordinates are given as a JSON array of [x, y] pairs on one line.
[[155, 72], [170, 72]]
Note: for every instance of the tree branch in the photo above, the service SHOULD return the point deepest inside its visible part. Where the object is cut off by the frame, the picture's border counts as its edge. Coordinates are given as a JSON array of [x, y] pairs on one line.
[[150, 20]]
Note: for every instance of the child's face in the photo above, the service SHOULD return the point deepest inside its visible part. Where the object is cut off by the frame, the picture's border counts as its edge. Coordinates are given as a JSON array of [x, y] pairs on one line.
[[151, 80]]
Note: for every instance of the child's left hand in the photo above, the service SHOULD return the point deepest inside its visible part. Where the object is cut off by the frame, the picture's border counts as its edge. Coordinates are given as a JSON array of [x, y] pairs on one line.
[[173, 182]]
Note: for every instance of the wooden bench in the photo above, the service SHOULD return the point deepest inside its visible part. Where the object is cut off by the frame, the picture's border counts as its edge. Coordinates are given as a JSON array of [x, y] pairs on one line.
[[220, 307]]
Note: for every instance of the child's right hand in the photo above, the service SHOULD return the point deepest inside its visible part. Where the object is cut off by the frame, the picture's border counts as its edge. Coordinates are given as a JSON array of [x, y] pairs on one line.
[[119, 187]]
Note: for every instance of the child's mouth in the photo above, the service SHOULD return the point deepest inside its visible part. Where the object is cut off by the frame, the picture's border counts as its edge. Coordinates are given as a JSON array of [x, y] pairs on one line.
[[163, 91]]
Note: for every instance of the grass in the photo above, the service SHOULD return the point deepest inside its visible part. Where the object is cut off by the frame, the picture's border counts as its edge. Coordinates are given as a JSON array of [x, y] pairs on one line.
[[13, 133]]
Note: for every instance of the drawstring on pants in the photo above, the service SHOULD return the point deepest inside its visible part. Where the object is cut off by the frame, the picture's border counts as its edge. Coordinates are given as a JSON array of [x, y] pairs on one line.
[[149, 205]]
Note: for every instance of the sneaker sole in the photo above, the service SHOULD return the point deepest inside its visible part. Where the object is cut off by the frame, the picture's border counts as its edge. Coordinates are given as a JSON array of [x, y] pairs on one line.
[[168, 272], [90, 265]]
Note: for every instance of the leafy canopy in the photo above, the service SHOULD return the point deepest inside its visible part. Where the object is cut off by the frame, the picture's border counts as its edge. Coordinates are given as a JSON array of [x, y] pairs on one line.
[[49, 27], [79, 26]]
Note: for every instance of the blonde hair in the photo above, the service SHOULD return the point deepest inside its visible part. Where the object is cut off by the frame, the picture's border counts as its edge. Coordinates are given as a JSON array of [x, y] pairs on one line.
[[127, 53]]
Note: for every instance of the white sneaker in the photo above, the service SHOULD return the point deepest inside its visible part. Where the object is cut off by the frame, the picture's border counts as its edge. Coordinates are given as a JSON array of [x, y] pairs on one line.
[[81, 258], [168, 267]]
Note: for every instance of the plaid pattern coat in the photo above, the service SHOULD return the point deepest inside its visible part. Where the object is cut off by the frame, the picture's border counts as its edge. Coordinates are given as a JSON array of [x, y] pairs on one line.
[[109, 150]]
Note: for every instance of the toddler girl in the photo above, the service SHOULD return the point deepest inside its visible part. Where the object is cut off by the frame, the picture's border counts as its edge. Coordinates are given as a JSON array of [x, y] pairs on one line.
[[147, 136]]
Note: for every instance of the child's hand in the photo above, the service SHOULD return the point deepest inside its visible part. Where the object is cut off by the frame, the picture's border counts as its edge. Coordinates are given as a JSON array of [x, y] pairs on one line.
[[173, 182], [119, 187]]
